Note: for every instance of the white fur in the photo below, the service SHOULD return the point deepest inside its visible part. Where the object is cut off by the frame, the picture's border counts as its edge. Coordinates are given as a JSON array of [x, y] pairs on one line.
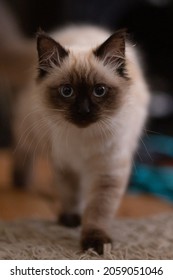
[[91, 152]]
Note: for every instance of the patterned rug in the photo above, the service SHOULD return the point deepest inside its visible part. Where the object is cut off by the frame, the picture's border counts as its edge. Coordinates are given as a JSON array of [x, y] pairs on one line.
[[149, 238]]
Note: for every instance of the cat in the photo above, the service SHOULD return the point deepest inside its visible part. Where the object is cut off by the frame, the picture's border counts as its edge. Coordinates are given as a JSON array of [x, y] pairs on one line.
[[88, 100]]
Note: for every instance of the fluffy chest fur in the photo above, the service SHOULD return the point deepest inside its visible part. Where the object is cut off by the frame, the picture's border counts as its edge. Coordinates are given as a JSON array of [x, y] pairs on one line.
[[79, 150]]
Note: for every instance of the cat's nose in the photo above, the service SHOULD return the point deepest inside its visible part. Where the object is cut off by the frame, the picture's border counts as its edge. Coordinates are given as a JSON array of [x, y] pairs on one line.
[[84, 107]]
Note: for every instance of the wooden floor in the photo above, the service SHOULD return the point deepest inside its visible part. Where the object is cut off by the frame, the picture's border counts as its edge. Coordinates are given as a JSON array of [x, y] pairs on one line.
[[41, 200]]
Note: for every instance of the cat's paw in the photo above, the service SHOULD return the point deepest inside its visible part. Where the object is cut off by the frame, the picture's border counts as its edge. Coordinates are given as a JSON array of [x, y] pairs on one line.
[[69, 220], [95, 239]]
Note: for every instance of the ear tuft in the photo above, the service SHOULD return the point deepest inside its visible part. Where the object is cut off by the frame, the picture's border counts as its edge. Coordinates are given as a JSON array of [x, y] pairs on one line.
[[112, 52], [50, 53]]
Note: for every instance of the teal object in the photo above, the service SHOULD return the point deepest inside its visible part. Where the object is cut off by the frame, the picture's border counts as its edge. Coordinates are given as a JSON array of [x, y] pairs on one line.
[[153, 179]]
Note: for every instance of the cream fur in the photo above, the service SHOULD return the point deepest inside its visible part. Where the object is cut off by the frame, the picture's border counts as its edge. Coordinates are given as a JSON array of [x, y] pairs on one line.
[[98, 156]]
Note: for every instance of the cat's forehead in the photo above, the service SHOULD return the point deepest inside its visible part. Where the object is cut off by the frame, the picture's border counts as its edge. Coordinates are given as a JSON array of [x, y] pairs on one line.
[[83, 68]]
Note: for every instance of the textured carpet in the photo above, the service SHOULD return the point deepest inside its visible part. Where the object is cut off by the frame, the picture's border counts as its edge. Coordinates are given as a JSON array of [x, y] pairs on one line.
[[150, 238]]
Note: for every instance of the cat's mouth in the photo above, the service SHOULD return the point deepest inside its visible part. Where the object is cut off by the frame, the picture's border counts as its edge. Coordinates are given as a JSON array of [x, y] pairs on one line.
[[83, 121]]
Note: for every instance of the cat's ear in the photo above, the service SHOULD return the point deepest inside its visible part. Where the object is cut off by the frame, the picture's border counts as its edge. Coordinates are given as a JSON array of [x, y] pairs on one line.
[[50, 53], [112, 52]]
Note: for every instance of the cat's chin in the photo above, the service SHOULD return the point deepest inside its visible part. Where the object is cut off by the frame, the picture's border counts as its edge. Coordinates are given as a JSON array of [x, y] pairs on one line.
[[83, 123]]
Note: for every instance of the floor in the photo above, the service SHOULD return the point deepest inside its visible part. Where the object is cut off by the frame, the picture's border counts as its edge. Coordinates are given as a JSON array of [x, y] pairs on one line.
[[41, 200]]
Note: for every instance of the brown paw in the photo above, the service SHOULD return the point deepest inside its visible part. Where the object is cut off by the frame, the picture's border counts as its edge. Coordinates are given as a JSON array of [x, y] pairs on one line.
[[95, 239], [69, 220]]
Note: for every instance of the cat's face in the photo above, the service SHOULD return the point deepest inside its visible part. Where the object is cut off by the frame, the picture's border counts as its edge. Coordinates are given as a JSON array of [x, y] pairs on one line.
[[83, 89]]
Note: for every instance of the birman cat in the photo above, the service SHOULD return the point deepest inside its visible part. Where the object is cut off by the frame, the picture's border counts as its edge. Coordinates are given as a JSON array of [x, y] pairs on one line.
[[88, 100]]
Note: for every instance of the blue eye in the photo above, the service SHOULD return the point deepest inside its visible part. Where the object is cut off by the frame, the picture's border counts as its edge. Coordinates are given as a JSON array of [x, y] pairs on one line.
[[66, 91], [99, 90]]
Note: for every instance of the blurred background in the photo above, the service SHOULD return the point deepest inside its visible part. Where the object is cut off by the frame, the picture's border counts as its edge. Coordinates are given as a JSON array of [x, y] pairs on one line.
[[150, 27]]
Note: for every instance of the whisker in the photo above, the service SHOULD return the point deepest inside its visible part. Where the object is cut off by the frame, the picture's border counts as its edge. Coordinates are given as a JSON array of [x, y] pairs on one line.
[[56, 110], [139, 156], [146, 148], [29, 129], [155, 132], [38, 143], [26, 134], [101, 131], [31, 143]]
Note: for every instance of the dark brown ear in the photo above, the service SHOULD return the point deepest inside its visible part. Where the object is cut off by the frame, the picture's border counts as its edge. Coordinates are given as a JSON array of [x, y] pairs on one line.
[[112, 51], [50, 53]]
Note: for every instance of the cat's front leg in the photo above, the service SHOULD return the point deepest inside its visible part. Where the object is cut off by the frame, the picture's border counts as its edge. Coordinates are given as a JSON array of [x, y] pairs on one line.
[[69, 195], [104, 198]]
